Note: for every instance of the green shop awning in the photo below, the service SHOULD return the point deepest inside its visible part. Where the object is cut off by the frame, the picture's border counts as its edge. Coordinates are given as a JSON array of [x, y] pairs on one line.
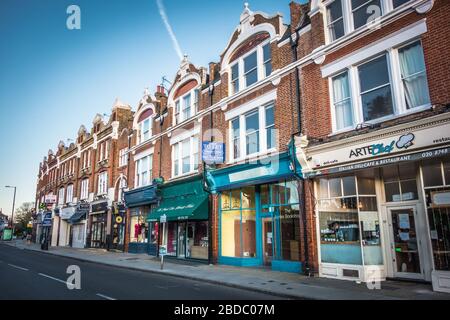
[[182, 201]]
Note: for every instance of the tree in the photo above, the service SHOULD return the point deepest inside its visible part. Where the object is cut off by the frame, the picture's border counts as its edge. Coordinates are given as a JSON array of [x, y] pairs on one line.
[[23, 216]]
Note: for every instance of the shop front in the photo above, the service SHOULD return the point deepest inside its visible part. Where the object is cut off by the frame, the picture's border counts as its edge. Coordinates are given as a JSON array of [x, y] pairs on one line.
[[78, 225], [141, 239], [180, 222], [64, 226], [98, 222], [382, 203], [259, 214]]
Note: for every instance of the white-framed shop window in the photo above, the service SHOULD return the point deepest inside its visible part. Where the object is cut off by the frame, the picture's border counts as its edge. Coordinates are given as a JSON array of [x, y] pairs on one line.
[[102, 183], [252, 133], [389, 84], [345, 16], [144, 169], [185, 156], [84, 193], [61, 196], [69, 194], [251, 68]]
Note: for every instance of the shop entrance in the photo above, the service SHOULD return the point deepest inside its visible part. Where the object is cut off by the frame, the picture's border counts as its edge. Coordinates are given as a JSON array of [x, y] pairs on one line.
[[268, 246], [405, 243], [182, 240]]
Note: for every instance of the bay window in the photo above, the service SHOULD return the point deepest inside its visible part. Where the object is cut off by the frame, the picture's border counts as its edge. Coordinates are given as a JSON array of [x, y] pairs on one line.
[[251, 68], [102, 183], [84, 189], [185, 154], [390, 84], [253, 132], [69, 195], [144, 169]]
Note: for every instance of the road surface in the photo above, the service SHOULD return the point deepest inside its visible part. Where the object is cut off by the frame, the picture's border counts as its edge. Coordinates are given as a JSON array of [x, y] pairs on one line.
[[28, 274]]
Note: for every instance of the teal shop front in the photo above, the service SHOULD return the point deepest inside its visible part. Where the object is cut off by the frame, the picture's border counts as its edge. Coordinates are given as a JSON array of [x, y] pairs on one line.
[[259, 214]]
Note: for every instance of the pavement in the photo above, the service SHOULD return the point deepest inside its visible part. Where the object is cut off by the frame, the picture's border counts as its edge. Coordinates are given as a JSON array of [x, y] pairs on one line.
[[262, 280]]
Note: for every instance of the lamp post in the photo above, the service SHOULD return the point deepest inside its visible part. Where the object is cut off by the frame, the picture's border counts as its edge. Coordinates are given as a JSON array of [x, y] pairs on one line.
[[12, 214]]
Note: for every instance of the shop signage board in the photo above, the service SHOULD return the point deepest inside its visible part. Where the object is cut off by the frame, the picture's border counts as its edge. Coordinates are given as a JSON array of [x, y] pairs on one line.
[[377, 147], [67, 213], [47, 220], [50, 199], [423, 155], [213, 152], [163, 219]]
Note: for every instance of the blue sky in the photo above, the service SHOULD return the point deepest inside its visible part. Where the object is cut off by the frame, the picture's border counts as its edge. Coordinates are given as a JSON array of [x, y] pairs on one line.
[[53, 79]]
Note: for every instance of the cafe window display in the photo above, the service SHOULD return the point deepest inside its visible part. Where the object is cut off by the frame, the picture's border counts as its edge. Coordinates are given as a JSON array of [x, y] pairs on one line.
[[348, 220], [436, 181], [139, 225]]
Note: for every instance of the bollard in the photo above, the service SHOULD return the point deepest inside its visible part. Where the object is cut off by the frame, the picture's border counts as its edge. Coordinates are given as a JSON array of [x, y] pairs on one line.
[[162, 262]]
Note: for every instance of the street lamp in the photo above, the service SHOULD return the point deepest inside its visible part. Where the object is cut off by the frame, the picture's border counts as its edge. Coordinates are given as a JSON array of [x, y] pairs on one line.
[[14, 202]]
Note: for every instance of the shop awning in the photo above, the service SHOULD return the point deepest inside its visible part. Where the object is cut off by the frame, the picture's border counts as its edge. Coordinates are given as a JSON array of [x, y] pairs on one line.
[[182, 201], [77, 216], [142, 196]]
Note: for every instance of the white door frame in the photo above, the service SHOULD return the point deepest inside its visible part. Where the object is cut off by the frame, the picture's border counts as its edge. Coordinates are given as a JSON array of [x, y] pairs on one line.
[[421, 239]]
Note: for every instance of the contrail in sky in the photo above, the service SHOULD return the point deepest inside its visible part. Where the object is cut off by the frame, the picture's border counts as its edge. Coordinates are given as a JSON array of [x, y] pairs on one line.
[[165, 19]]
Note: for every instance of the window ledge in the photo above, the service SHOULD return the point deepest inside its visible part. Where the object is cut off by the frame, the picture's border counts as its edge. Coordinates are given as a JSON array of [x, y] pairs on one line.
[[184, 175], [254, 156], [385, 119]]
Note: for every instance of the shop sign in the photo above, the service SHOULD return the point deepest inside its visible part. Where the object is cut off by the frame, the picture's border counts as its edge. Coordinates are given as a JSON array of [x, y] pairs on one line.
[[428, 137], [163, 218], [47, 220], [213, 152], [440, 199], [99, 207], [50, 199], [428, 154], [67, 213], [119, 220]]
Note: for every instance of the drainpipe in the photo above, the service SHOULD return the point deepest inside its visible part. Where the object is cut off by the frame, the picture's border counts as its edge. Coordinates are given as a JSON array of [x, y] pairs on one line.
[[205, 186], [302, 192]]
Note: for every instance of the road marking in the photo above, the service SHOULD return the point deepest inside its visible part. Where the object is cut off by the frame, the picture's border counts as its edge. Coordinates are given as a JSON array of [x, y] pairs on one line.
[[17, 267], [56, 279], [105, 297]]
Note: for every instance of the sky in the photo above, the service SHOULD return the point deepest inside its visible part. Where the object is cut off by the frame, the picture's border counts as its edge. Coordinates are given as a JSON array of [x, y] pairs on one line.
[[53, 80]]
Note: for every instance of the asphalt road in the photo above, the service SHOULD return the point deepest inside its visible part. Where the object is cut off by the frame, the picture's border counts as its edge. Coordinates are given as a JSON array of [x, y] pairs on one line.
[[27, 274]]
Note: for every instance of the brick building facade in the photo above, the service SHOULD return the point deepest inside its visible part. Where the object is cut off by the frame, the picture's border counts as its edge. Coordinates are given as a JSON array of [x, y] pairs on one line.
[[305, 116]]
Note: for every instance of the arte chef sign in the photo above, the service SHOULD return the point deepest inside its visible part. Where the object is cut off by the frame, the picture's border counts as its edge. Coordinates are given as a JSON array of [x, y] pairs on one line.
[[333, 154]]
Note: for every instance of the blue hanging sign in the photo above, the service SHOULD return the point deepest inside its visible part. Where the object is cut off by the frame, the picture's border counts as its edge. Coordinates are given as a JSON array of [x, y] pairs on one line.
[[213, 152]]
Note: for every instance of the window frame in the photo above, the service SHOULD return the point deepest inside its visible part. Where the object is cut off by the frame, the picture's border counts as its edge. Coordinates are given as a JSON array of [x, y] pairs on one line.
[[243, 134], [193, 166], [395, 80], [387, 6], [69, 193], [260, 66], [139, 172], [179, 106], [102, 183], [61, 195], [142, 133], [84, 192]]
